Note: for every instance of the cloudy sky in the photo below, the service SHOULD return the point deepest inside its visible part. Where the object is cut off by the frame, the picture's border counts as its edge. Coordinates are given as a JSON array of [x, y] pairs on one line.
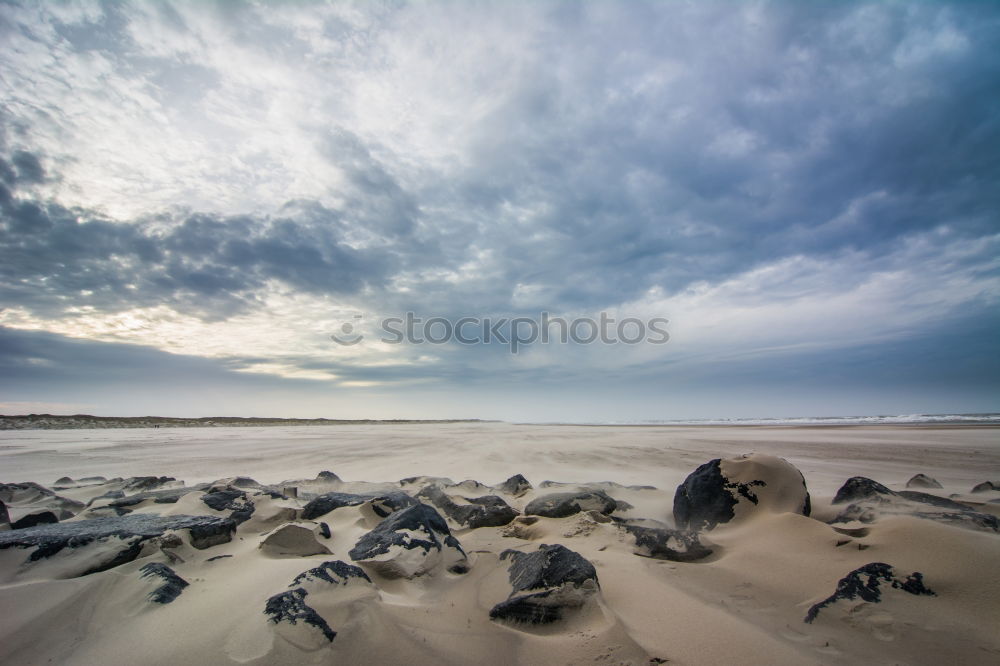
[[196, 195]]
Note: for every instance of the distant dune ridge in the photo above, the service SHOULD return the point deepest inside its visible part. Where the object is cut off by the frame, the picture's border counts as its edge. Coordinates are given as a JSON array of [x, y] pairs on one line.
[[805, 558], [60, 422]]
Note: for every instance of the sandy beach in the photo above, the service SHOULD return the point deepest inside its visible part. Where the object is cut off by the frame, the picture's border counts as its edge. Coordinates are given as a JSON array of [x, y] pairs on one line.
[[735, 592]]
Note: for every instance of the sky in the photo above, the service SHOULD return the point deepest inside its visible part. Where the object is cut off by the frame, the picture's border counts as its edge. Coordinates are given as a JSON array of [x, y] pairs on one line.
[[196, 196]]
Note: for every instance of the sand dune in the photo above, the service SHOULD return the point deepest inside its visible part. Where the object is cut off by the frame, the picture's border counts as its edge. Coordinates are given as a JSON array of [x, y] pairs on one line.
[[289, 566]]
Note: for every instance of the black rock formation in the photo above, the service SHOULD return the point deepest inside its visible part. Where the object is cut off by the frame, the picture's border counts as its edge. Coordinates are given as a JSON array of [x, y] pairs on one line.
[[864, 583], [545, 583], [172, 585], [922, 481], [335, 572], [32, 519], [985, 486], [488, 511], [291, 607], [230, 499], [706, 498], [859, 488], [516, 485], [667, 544], [418, 526], [134, 529], [560, 505], [383, 504]]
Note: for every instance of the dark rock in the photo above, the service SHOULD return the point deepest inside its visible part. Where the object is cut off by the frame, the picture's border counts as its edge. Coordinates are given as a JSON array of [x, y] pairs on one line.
[[172, 585], [667, 544], [64, 481], [560, 505], [858, 488], [488, 511], [139, 483], [168, 496], [709, 496], [327, 476], [985, 487], [922, 481], [4, 515], [217, 557], [324, 529], [230, 499], [383, 504], [291, 607], [418, 526], [335, 572], [864, 583], [134, 529], [516, 485], [32, 519], [553, 577], [933, 500], [704, 499], [31, 493]]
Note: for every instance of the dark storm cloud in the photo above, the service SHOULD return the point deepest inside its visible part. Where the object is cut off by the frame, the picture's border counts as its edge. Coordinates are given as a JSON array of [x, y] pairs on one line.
[[212, 266]]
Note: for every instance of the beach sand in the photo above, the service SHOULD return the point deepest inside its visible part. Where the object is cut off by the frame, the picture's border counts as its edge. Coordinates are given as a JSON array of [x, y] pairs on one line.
[[744, 603]]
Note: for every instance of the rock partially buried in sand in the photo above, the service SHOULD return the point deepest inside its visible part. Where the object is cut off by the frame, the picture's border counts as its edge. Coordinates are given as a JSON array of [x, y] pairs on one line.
[[985, 487], [864, 583], [667, 544], [171, 586], [516, 485], [291, 607], [230, 499], [33, 519], [560, 505], [383, 504], [409, 543], [858, 488], [488, 511], [131, 531], [871, 500], [922, 481], [724, 490], [292, 541], [333, 576], [546, 583]]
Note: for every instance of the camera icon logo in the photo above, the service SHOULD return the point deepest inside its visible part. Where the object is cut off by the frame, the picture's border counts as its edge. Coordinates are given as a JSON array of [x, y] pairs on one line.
[[346, 336]]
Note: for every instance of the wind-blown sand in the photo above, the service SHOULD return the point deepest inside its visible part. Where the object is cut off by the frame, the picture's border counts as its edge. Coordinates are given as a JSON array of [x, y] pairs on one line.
[[744, 603]]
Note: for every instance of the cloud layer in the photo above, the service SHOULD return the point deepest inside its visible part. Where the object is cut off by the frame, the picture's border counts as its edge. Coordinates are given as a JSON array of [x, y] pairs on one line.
[[783, 181]]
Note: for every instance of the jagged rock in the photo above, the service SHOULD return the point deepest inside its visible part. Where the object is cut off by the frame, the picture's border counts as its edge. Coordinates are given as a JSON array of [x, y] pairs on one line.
[[723, 490], [168, 496], [171, 587], [133, 530], [667, 544], [291, 607], [545, 583], [922, 481], [335, 572], [864, 583], [230, 499], [871, 500], [560, 505], [858, 488], [426, 480], [30, 494], [292, 541], [136, 484], [410, 542], [516, 485], [383, 504], [32, 519], [324, 530], [488, 511], [985, 486]]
